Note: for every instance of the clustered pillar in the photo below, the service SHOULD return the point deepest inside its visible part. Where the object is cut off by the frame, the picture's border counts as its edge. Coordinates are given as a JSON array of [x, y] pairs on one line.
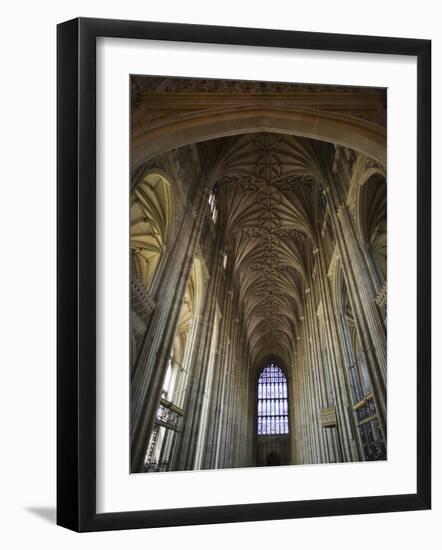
[[339, 347], [334, 420]]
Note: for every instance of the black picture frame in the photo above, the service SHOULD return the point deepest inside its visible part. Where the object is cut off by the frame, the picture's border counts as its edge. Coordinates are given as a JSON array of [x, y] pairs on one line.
[[76, 272]]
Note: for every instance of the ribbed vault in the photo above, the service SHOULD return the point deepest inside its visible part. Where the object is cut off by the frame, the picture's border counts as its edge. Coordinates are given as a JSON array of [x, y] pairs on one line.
[[150, 218], [268, 196]]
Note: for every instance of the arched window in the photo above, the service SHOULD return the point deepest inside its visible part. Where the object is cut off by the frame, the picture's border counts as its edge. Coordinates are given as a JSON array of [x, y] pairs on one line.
[[273, 415]]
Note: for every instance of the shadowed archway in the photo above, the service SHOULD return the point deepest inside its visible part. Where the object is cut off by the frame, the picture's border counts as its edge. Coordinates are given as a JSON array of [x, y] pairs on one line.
[[360, 135]]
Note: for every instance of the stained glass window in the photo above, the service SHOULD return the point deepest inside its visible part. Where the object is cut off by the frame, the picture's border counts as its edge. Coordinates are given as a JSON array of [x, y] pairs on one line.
[[273, 417]]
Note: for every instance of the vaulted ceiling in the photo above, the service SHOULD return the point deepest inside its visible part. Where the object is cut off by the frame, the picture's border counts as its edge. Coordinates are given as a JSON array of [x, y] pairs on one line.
[[268, 183], [268, 197]]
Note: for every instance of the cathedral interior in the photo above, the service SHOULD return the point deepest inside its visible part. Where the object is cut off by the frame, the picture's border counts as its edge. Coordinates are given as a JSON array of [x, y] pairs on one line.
[[258, 244]]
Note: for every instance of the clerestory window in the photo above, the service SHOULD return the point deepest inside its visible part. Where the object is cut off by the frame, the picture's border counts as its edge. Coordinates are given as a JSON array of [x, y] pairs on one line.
[[213, 203]]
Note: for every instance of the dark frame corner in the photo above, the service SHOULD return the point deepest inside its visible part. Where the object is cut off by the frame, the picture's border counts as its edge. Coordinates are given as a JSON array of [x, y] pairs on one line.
[[76, 293]]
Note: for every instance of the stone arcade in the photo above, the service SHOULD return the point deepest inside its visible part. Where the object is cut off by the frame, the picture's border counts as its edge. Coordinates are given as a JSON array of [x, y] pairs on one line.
[[258, 274]]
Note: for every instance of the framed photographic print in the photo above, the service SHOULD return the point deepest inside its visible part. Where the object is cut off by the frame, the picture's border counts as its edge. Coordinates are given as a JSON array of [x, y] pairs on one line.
[[231, 203]]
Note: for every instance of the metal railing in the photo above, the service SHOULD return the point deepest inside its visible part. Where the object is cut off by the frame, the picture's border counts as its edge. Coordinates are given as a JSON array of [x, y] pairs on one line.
[[169, 415]]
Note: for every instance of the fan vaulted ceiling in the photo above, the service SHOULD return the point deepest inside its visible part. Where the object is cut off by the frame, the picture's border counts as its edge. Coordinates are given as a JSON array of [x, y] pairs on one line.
[[268, 183], [268, 198]]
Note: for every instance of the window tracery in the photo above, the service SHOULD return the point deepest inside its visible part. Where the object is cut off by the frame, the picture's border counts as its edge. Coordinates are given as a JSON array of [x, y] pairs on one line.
[[273, 416]]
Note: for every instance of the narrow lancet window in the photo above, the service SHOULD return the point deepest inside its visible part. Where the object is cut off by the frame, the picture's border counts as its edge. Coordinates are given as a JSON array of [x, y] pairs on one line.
[[213, 203], [272, 401]]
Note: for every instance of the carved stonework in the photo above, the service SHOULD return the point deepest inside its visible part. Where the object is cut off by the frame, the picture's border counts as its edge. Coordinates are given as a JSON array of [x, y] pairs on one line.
[[160, 98], [381, 300], [141, 301]]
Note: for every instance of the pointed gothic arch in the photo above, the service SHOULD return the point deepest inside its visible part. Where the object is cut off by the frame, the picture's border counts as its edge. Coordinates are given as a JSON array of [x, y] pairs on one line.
[[357, 134], [270, 256]]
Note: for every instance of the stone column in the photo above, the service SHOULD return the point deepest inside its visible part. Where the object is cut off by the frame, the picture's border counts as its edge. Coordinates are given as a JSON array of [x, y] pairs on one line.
[[216, 406], [312, 379], [362, 297], [148, 375], [338, 366], [193, 406]]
